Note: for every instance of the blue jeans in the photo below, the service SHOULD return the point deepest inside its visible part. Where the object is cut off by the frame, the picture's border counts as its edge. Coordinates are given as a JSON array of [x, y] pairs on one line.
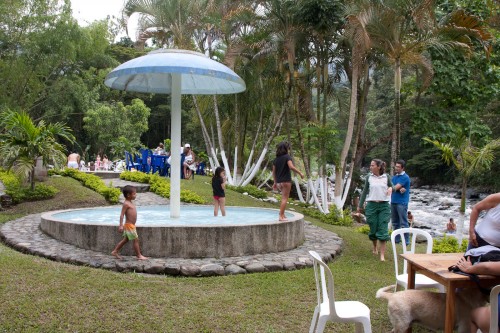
[[399, 218]]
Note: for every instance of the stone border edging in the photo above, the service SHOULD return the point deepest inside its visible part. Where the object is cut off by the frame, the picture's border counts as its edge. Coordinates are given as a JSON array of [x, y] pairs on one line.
[[24, 235]]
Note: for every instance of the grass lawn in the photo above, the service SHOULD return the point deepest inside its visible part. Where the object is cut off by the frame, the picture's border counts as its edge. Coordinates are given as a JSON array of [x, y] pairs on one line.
[[39, 295]]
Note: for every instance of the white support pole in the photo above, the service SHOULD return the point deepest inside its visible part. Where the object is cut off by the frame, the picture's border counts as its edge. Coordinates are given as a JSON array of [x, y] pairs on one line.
[[175, 173], [235, 167]]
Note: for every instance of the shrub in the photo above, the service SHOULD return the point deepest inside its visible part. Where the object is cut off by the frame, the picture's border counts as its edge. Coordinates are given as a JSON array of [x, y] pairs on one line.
[[252, 190], [334, 217], [19, 193], [449, 244], [161, 186], [93, 182], [364, 229], [9, 179]]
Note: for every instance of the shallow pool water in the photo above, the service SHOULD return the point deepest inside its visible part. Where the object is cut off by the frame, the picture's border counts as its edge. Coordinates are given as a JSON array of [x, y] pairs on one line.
[[160, 215]]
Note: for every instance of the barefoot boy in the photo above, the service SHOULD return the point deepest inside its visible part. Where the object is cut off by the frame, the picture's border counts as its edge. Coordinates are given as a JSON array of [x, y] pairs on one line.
[[129, 231]]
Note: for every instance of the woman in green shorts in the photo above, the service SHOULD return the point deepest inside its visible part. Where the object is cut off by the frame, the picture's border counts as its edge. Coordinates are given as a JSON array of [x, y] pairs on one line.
[[377, 193]]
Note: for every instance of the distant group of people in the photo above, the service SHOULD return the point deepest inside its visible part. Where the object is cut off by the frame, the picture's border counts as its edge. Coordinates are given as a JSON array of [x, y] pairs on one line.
[[74, 162]]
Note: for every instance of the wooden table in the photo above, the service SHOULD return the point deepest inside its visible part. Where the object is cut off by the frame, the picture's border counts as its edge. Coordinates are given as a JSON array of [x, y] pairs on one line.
[[436, 266]]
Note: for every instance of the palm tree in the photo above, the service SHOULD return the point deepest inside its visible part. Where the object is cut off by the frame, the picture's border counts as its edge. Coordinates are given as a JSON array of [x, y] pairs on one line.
[[468, 160], [404, 30], [22, 142], [168, 21]]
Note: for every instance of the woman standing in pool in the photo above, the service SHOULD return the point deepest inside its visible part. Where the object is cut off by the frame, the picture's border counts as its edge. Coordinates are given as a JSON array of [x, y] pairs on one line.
[[282, 175], [218, 188]]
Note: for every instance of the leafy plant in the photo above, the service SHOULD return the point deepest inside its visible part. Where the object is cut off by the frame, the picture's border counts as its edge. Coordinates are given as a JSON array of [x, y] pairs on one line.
[[334, 217], [250, 189], [449, 244], [364, 229], [22, 142], [161, 186], [18, 193], [93, 182]]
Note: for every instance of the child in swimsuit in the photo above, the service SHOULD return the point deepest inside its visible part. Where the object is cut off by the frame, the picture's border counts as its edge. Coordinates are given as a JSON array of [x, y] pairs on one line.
[[218, 188], [129, 231]]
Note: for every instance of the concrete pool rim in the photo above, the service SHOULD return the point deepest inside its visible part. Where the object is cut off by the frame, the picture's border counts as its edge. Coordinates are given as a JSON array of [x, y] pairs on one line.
[[193, 241]]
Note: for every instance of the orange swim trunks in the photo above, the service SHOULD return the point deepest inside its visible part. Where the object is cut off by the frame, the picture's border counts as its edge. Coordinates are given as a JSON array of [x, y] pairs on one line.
[[129, 231]]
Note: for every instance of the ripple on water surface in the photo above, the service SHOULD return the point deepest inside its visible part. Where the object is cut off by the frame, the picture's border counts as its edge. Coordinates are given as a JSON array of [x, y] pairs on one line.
[[160, 215]]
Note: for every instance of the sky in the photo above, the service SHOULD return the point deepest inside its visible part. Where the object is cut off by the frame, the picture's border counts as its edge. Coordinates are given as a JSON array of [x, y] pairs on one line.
[[87, 11]]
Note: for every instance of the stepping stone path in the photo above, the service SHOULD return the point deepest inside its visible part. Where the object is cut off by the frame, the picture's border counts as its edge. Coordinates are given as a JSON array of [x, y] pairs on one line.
[[24, 235]]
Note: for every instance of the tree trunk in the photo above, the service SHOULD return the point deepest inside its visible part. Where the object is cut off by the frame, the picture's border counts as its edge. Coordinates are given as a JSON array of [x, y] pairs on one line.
[[206, 136], [395, 147], [221, 142], [340, 169]]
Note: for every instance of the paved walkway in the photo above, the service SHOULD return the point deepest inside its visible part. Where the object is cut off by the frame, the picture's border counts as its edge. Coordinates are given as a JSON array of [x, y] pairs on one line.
[[24, 234]]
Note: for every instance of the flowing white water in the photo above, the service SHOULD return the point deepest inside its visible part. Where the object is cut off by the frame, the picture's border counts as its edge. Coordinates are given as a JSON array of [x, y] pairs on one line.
[[432, 209]]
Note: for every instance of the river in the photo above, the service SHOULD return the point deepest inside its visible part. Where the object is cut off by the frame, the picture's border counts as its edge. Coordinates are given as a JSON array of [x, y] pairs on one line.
[[432, 209]]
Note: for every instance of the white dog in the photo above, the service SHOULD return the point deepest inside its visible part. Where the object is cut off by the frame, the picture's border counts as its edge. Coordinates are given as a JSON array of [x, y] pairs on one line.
[[428, 308]]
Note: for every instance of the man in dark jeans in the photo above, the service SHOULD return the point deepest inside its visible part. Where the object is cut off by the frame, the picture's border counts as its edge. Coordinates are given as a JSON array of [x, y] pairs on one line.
[[400, 198]]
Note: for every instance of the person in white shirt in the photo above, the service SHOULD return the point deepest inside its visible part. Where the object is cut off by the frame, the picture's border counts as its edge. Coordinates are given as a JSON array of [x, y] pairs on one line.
[[377, 193], [487, 231]]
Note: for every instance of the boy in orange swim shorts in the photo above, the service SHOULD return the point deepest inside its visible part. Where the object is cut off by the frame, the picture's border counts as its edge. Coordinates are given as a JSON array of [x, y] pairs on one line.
[[129, 231]]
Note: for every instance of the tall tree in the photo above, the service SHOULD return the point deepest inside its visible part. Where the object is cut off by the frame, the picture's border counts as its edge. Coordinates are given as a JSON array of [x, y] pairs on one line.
[[468, 160], [22, 142]]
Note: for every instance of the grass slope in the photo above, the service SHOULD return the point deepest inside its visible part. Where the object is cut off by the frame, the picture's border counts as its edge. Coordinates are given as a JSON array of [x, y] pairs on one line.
[[39, 295]]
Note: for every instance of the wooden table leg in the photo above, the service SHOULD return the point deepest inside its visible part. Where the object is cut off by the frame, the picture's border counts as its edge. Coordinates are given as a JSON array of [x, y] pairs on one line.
[[450, 308], [411, 276]]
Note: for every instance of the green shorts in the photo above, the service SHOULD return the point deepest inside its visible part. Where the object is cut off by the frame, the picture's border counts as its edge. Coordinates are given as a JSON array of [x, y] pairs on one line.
[[378, 215]]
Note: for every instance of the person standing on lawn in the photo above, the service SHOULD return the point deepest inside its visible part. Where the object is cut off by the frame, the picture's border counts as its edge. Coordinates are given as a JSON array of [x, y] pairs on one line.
[[400, 198]]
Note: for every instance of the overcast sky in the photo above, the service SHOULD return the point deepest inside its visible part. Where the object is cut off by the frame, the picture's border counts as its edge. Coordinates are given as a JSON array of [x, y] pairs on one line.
[[87, 11]]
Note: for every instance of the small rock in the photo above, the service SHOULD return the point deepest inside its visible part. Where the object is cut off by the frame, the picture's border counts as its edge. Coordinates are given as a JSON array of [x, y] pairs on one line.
[[289, 266], [190, 270], [272, 266], [154, 268], [211, 270], [172, 269], [234, 270], [255, 268]]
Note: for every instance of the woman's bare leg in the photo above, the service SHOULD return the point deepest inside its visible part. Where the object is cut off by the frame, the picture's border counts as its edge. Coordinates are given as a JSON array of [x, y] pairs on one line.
[[382, 250], [285, 193], [374, 250]]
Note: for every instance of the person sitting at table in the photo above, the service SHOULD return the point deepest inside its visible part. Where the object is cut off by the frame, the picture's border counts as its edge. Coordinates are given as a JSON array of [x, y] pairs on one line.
[[451, 227], [480, 317], [487, 232], [160, 150], [188, 161]]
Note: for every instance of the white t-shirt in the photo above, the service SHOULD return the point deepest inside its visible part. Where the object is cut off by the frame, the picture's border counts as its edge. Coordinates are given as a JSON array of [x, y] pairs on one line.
[[489, 226]]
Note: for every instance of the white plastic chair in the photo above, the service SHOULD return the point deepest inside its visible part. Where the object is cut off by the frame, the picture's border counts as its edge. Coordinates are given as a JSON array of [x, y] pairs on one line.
[[494, 309], [421, 281], [330, 310]]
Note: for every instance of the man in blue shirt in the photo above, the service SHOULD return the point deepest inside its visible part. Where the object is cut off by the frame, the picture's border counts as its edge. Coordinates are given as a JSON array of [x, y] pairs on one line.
[[400, 198]]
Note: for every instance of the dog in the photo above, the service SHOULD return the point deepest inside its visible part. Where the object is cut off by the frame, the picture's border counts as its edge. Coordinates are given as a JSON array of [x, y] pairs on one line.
[[428, 308]]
